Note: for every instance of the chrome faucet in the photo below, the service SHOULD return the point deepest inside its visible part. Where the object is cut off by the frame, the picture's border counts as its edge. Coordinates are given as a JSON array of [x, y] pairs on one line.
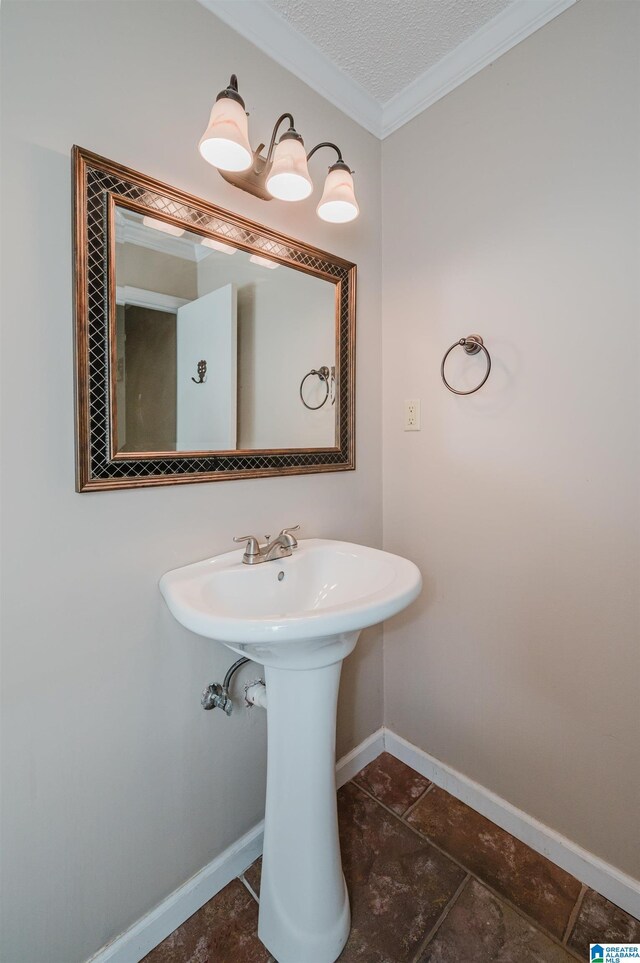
[[279, 547]]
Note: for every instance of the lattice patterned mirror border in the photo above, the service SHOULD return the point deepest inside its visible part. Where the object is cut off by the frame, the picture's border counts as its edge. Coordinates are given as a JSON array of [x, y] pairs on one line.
[[97, 181]]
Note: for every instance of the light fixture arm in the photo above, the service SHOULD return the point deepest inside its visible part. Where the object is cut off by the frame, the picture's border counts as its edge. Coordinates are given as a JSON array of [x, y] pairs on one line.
[[231, 91], [326, 143], [260, 167]]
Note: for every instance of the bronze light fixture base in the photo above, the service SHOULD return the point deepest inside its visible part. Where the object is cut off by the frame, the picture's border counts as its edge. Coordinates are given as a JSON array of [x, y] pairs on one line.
[[253, 180]]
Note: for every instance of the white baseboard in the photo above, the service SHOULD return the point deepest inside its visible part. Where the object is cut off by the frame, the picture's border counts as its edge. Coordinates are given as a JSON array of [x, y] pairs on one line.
[[368, 750], [143, 936], [615, 885]]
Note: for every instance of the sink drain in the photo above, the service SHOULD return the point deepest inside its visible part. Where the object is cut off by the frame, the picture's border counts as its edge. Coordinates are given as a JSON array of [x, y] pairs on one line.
[[280, 576]]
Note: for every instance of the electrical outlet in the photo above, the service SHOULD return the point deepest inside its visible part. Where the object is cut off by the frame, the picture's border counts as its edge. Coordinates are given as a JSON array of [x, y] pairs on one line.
[[412, 415]]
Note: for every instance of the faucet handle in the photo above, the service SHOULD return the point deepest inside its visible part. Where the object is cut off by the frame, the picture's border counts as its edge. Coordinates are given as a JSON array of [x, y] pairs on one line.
[[287, 531], [253, 546]]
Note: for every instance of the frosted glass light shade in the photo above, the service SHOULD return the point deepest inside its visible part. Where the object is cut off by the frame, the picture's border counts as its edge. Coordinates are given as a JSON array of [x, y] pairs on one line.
[[163, 226], [225, 142], [289, 178], [264, 262], [218, 246], [338, 202]]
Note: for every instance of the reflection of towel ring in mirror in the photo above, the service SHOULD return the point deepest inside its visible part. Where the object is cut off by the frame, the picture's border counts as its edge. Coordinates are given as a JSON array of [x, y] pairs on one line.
[[473, 344], [323, 373], [333, 386]]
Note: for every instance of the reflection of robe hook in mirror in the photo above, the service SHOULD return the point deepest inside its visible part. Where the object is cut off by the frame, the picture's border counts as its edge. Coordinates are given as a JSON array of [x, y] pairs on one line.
[[324, 374], [202, 373]]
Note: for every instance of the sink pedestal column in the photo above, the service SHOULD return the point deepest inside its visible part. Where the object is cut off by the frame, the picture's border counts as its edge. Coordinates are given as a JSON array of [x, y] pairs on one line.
[[304, 906]]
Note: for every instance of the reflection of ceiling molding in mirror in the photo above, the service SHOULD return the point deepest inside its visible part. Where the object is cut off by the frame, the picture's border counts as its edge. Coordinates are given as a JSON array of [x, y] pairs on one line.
[[179, 305]]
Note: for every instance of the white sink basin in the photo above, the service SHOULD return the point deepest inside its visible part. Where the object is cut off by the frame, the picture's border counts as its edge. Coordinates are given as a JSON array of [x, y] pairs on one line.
[[298, 616], [327, 588]]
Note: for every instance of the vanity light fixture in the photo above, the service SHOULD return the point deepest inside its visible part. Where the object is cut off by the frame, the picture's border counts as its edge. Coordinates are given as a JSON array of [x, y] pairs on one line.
[[283, 173], [218, 246], [163, 226], [264, 262]]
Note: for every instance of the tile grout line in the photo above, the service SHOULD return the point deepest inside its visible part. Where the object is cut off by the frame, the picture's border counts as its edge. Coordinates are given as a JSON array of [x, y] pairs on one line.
[[416, 801], [438, 923], [575, 912], [250, 888], [499, 896], [494, 892]]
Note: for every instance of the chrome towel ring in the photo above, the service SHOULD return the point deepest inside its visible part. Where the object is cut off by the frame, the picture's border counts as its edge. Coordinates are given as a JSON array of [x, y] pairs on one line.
[[323, 373], [472, 345]]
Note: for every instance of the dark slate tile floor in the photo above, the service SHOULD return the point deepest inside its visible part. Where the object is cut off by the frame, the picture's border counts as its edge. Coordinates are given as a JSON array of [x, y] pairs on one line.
[[393, 783], [430, 881], [599, 921], [224, 930], [399, 884], [532, 883]]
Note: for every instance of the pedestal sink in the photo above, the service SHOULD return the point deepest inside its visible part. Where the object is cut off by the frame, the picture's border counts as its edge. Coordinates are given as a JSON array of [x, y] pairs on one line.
[[299, 617]]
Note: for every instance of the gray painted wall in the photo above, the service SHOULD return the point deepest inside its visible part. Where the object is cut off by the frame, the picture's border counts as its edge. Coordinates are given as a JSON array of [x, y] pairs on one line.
[[117, 786], [522, 504]]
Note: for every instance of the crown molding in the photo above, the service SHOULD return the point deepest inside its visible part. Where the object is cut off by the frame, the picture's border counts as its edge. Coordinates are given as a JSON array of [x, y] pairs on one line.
[[259, 23], [141, 298], [516, 22]]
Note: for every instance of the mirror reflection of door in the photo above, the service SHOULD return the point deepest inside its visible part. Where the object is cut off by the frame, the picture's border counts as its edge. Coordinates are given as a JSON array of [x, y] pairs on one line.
[[206, 410]]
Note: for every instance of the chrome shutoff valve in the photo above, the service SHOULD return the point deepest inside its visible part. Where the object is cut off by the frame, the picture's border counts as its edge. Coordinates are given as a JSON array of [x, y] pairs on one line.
[[215, 697]]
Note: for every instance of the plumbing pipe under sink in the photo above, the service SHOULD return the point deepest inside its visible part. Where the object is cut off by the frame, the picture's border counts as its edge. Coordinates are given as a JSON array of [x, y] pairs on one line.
[[255, 694]]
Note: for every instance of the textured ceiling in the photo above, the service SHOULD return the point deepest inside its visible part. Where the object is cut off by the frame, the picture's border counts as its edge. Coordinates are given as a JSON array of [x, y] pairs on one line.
[[386, 44]]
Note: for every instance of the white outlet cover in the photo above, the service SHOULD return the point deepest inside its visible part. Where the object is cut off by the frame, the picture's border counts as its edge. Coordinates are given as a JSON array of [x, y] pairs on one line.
[[412, 414]]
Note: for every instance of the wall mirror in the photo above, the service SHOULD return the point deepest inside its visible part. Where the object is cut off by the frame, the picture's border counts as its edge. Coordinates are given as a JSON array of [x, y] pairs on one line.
[[208, 347]]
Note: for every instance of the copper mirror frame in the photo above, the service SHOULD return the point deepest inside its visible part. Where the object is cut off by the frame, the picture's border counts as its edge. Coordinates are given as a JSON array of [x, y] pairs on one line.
[[98, 185]]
